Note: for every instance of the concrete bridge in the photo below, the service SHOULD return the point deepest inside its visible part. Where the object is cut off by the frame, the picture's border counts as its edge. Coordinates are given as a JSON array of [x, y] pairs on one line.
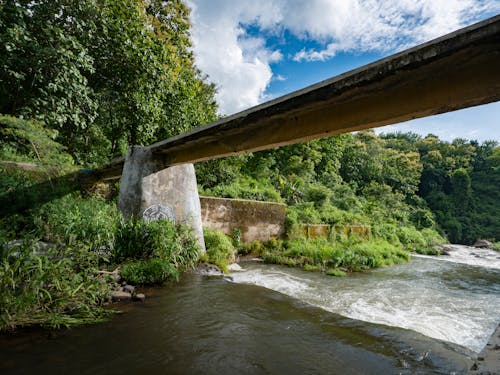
[[456, 71]]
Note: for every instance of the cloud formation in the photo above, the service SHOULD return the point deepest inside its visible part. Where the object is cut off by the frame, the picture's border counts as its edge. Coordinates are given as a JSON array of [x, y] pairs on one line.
[[238, 62]]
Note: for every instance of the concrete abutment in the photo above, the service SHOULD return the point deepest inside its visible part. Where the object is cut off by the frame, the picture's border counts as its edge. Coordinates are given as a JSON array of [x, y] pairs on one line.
[[173, 190]]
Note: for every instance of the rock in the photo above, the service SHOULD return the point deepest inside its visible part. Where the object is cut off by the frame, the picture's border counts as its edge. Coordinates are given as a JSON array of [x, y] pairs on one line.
[[482, 244], [140, 297], [207, 269], [118, 295], [446, 250], [129, 289], [234, 267]]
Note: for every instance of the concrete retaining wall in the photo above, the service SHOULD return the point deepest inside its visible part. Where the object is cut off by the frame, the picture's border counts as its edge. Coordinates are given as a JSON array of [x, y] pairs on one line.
[[334, 232], [256, 220]]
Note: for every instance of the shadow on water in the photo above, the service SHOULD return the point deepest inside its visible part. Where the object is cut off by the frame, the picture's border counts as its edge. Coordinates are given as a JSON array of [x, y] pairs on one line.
[[210, 326]]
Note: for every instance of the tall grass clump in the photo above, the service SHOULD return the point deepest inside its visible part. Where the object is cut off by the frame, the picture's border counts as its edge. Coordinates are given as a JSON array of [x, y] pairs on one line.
[[51, 287], [153, 252], [73, 218]]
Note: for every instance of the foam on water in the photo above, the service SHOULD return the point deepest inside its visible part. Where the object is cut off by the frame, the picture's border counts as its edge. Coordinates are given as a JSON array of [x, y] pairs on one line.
[[469, 255], [448, 300]]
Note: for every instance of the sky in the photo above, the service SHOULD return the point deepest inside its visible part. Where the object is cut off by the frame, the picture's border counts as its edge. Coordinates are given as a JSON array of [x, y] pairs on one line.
[[258, 50]]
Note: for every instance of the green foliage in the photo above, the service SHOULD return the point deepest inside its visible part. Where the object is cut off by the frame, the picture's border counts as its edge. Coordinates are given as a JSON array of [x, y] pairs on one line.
[[388, 181], [220, 249], [246, 188], [148, 271], [53, 287], [350, 255], [73, 218], [103, 74], [254, 247], [28, 140], [335, 272], [161, 239]]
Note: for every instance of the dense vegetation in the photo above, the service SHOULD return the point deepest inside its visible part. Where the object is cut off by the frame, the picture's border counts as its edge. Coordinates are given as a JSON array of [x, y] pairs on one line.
[[101, 74], [53, 277], [397, 183]]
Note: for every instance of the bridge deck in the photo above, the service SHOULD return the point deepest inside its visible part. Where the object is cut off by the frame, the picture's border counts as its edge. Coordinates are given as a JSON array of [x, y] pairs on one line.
[[458, 70]]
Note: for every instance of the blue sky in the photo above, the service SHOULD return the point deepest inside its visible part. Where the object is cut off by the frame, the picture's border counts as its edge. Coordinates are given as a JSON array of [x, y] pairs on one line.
[[258, 50]]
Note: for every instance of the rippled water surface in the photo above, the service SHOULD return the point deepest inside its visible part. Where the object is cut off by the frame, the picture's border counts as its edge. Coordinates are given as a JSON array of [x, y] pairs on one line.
[[450, 301], [298, 323]]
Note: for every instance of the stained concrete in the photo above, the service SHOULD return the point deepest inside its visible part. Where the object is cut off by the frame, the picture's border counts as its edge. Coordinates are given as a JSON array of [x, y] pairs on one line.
[[175, 187], [256, 220]]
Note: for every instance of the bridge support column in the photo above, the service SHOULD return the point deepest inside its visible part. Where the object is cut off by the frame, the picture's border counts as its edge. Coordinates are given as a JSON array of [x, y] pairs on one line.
[[172, 190]]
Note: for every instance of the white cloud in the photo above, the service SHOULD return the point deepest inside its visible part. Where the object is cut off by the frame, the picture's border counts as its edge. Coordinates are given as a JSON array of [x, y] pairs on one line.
[[239, 64]]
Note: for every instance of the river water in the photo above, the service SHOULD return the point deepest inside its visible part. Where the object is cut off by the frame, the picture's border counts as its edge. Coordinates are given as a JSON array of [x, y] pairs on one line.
[[429, 316]]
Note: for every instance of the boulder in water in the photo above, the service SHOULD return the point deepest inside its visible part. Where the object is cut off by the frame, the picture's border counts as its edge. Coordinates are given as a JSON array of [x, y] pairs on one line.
[[234, 267], [482, 244], [117, 295], [208, 269]]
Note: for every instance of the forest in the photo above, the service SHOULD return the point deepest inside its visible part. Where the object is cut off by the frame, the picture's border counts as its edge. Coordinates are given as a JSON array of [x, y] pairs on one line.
[[80, 81]]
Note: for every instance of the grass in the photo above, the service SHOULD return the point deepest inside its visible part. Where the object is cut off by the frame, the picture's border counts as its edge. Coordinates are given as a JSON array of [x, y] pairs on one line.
[[149, 271], [336, 258], [57, 287]]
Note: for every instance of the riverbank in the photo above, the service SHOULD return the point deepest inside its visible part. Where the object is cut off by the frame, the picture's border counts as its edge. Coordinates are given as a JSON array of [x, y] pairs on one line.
[[488, 360]]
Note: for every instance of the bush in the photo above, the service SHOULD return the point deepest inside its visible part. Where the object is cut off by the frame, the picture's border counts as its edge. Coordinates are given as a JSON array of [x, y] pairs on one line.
[[254, 247], [148, 271], [220, 249], [246, 188]]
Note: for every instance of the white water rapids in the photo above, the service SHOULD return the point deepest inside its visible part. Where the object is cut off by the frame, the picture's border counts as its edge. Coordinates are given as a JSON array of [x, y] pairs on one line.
[[454, 298]]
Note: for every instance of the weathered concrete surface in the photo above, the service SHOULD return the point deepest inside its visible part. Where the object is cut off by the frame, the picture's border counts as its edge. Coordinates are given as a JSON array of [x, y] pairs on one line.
[[175, 187], [315, 230], [458, 70], [256, 220]]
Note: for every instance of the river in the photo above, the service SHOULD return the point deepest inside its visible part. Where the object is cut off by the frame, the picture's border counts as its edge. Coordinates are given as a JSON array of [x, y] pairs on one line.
[[429, 316]]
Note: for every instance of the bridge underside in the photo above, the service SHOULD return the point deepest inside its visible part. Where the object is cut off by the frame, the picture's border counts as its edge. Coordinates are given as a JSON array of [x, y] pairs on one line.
[[456, 71]]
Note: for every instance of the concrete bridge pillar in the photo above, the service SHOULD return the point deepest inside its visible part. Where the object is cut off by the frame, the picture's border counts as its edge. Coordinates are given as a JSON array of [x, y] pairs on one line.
[[172, 191]]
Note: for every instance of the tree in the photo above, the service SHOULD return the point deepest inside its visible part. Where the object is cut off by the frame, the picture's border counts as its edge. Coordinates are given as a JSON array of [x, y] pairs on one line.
[[105, 74], [44, 67]]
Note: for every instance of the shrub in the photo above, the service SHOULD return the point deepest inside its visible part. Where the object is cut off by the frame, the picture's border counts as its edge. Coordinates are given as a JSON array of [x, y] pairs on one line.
[[254, 247], [220, 249], [432, 237], [148, 271], [246, 188]]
